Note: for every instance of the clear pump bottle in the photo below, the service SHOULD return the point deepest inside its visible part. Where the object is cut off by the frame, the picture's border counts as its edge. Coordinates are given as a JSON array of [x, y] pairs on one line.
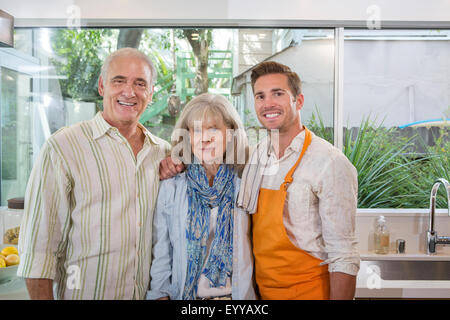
[[381, 236]]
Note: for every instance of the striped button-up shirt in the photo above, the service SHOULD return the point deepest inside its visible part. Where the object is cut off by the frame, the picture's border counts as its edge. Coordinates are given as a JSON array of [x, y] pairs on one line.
[[88, 212]]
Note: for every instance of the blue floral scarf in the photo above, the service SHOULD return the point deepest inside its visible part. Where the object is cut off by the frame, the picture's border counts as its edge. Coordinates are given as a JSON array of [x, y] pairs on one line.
[[201, 198]]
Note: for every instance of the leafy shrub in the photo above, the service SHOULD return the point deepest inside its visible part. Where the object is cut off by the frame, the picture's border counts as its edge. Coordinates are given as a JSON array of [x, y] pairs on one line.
[[391, 173]]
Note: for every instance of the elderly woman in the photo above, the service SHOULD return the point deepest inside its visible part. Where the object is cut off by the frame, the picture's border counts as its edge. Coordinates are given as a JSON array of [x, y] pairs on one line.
[[201, 243]]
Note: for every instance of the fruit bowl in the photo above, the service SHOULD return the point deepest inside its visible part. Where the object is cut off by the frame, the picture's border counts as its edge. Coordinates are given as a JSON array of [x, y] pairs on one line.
[[8, 273]]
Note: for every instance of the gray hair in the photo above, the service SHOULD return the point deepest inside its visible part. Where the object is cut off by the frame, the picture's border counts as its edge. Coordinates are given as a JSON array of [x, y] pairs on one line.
[[217, 108], [129, 52]]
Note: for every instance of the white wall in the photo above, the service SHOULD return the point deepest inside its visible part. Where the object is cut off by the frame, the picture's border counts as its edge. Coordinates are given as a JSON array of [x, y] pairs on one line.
[[267, 12], [381, 79], [398, 81], [313, 61], [408, 224], [254, 45]]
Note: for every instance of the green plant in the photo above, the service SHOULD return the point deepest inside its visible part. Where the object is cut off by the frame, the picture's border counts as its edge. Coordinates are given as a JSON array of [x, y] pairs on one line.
[[317, 125], [383, 166], [79, 56], [391, 174], [437, 165]]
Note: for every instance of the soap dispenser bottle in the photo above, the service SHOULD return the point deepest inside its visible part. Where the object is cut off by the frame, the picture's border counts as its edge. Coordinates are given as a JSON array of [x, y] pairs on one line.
[[381, 236]]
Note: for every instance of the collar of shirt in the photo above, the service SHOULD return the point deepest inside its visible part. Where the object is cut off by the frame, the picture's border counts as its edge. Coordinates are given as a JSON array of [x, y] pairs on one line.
[[296, 145], [102, 127]]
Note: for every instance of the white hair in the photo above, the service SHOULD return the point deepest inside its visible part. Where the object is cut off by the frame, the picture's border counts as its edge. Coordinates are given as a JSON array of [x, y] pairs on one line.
[[129, 52], [216, 108]]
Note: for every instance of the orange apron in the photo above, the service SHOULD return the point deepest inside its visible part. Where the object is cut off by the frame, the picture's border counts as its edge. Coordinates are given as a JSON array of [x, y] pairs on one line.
[[283, 271]]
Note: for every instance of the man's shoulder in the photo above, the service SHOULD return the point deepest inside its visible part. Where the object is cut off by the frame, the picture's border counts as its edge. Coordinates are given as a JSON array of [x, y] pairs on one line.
[[323, 146], [80, 128], [59, 146], [159, 141], [155, 140], [62, 140], [324, 150]]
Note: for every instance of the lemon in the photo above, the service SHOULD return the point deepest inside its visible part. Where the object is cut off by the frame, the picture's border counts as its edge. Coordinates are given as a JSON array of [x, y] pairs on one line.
[[9, 250], [2, 263], [12, 260]]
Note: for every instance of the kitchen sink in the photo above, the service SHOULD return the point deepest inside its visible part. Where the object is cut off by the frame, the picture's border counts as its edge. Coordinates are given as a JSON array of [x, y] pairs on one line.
[[408, 269]]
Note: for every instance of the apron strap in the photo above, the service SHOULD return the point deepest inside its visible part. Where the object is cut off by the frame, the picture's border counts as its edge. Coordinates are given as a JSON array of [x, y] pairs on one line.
[[288, 179]]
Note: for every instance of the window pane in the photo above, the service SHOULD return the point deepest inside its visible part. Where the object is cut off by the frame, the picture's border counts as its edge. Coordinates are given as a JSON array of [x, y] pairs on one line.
[[15, 133], [397, 108], [309, 53], [63, 66]]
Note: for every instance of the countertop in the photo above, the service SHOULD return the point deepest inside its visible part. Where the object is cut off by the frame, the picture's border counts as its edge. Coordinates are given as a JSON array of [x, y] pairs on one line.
[[412, 256], [366, 286], [404, 289], [14, 290]]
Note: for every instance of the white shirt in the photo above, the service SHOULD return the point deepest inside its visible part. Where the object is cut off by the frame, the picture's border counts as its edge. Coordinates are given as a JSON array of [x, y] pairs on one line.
[[320, 208], [88, 214], [204, 289]]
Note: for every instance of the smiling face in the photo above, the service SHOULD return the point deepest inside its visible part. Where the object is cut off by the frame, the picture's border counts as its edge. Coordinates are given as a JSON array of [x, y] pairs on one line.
[[208, 140], [126, 91], [275, 105]]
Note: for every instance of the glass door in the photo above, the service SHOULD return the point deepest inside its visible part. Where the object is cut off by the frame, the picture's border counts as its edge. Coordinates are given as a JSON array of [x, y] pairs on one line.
[[16, 107]]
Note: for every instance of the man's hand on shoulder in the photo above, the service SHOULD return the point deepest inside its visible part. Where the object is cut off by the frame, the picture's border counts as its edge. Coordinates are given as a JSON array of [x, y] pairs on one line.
[[169, 168]]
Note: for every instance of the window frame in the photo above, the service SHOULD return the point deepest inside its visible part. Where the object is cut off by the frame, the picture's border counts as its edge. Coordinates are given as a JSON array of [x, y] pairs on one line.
[[339, 27]]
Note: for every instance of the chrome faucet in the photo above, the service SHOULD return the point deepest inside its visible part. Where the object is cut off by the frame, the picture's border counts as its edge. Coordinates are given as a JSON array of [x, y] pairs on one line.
[[432, 238]]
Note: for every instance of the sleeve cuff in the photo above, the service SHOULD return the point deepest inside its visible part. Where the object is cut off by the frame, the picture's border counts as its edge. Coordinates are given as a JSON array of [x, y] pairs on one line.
[[37, 266], [344, 267], [156, 294]]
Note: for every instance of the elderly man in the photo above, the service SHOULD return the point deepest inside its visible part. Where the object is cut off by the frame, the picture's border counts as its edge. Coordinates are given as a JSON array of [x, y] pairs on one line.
[[90, 197]]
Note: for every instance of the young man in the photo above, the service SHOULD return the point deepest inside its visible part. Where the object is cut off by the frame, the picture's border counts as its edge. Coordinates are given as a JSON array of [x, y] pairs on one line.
[[304, 211], [90, 197]]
